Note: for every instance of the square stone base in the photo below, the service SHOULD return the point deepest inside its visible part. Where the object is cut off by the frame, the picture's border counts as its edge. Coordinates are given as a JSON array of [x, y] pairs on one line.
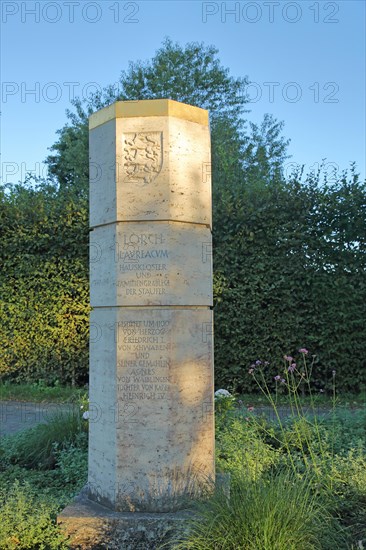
[[94, 527]]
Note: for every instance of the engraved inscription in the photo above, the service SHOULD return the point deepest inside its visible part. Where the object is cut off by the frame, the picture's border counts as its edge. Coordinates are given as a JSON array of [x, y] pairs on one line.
[[150, 264], [143, 156], [144, 369], [145, 257]]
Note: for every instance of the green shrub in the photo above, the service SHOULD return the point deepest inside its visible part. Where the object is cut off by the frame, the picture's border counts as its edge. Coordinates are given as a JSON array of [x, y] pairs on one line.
[[350, 432], [27, 522], [240, 449], [289, 267], [350, 471], [325, 451], [72, 465], [44, 288], [42, 481], [60, 484], [349, 476]]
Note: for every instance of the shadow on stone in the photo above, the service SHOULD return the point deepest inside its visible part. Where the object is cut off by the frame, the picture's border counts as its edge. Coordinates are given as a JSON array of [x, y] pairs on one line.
[[91, 526]]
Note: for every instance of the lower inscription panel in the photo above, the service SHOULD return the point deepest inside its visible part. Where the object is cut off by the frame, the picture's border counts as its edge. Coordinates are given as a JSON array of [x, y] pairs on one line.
[[151, 381]]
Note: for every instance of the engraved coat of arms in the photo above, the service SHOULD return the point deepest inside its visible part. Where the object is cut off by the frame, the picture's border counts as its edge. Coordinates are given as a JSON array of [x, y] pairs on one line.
[[142, 156]]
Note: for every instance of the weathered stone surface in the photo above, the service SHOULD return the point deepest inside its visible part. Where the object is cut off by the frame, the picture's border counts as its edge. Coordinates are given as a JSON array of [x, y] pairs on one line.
[[150, 167], [151, 392], [94, 527], [167, 263], [151, 436]]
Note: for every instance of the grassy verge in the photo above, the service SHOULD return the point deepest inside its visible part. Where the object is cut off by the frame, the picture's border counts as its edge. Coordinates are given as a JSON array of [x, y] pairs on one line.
[[41, 469], [38, 393], [277, 501], [296, 484], [320, 400], [290, 488], [276, 512]]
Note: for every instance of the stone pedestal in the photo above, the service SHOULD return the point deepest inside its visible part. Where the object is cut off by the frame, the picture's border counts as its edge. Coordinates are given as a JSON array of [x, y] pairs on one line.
[[151, 441], [91, 526]]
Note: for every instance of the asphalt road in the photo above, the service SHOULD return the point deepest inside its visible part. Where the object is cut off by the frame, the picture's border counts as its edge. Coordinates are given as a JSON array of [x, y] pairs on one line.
[[16, 416]]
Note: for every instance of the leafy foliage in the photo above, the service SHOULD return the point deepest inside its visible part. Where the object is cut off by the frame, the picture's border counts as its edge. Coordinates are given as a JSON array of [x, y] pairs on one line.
[[240, 449], [289, 256], [289, 265], [324, 455], [28, 522], [72, 463], [43, 285]]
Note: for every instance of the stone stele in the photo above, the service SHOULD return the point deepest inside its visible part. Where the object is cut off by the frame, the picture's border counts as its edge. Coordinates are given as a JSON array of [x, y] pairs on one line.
[[151, 423]]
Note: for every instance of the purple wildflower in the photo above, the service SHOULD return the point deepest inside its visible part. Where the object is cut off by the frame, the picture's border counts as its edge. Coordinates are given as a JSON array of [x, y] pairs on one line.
[[258, 362], [278, 377], [288, 358], [292, 367], [304, 351]]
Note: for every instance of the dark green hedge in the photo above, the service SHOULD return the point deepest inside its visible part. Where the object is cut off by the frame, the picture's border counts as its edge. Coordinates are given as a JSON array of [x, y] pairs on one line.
[[289, 269], [43, 286], [289, 264]]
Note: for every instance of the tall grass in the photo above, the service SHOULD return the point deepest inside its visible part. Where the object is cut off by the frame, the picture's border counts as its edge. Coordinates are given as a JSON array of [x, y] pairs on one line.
[[38, 446], [323, 455], [39, 392], [277, 512]]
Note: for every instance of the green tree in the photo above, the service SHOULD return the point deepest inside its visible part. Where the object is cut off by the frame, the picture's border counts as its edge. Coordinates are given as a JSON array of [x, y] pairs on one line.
[[266, 151], [191, 74], [45, 228]]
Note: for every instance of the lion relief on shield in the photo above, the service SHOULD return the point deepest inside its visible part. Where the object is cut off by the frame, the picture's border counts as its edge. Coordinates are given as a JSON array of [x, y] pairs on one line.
[[142, 156]]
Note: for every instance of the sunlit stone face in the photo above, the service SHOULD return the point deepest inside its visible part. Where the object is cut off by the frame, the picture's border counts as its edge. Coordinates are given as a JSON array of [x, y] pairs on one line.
[[169, 263], [150, 168], [151, 328], [151, 402]]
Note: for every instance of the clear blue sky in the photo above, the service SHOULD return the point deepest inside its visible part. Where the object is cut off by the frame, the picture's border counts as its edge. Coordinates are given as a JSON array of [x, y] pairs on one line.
[[306, 62]]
